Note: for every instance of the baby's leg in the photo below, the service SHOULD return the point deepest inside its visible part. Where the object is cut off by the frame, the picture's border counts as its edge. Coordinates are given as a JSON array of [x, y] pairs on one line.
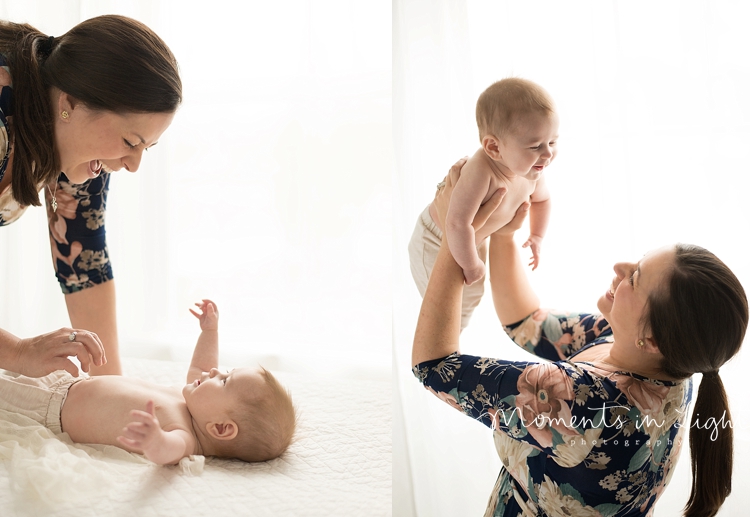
[[423, 250]]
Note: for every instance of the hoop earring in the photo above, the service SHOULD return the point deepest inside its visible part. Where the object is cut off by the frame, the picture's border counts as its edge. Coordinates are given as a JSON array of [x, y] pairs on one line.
[[64, 114]]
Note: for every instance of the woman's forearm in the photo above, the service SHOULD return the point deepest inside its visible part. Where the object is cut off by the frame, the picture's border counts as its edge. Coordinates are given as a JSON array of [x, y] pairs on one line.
[[512, 294], [94, 309], [8, 351], [439, 324]]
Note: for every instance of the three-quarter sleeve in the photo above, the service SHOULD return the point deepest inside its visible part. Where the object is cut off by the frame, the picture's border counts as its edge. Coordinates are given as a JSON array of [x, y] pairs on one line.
[[77, 232], [529, 401], [556, 335]]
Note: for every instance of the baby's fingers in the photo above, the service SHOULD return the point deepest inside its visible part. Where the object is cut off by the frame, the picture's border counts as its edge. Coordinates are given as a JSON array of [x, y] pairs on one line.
[[133, 434], [133, 444], [141, 417], [534, 262]]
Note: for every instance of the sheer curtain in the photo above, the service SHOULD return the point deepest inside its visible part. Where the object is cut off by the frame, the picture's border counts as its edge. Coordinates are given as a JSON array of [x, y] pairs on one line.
[[269, 194], [654, 127]]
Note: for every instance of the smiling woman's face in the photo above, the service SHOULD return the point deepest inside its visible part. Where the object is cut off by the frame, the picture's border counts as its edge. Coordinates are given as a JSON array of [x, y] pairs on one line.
[[89, 142], [625, 301]]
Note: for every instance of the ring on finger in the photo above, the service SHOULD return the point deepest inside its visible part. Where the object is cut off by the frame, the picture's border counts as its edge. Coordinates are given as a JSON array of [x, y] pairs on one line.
[[72, 336], [440, 185]]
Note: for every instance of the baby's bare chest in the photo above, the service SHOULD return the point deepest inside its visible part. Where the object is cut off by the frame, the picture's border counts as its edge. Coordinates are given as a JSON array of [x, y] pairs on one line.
[[96, 410], [518, 191]]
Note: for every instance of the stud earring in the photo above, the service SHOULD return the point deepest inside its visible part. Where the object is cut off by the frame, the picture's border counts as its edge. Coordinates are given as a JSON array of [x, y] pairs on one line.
[[64, 114], [640, 343]]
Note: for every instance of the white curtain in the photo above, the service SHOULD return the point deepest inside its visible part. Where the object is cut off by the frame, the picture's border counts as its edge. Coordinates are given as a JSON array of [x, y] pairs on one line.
[[655, 124], [269, 193]]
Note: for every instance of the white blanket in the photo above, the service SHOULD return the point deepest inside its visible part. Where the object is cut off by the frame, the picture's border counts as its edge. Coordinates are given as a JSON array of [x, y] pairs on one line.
[[339, 463]]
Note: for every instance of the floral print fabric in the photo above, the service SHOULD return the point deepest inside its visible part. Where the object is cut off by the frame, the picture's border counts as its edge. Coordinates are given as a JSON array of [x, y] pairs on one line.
[[76, 230], [574, 439], [77, 235]]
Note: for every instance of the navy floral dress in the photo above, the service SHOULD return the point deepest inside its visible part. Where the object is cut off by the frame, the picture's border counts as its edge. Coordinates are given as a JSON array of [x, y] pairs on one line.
[[76, 229], [574, 439]]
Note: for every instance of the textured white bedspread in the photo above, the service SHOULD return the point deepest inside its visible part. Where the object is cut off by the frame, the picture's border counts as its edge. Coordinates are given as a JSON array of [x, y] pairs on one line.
[[340, 463]]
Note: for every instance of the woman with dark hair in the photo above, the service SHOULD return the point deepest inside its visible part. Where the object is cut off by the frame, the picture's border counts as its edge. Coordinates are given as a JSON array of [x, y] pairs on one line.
[[73, 109], [598, 430]]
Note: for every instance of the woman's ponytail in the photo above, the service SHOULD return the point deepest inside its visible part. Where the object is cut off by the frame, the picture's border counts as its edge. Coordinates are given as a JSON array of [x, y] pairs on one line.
[[699, 322], [711, 449]]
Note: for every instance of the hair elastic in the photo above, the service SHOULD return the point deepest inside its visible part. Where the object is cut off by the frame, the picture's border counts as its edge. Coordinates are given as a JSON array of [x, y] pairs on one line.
[[44, 47]]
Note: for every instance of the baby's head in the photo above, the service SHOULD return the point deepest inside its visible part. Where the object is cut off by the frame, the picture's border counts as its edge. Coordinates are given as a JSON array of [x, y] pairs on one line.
[[518, 126], [503, 106], [244, 414]]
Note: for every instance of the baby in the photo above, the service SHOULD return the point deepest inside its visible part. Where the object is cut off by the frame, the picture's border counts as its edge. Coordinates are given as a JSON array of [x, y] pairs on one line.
[[518, 130], [244, 414]]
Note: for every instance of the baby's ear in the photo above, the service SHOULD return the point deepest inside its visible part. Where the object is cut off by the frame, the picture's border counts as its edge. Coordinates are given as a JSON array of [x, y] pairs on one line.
[[491, 146], [222, 430]]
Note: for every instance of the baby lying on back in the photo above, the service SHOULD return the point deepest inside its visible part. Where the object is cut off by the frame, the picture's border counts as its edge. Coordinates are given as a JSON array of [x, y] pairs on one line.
[[244, 413]]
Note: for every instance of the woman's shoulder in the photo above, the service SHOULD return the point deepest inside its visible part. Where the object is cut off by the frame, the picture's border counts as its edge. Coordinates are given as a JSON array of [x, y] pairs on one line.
[[6, 84], [554, 335], [627, 389], [6, 106], [10, 209]]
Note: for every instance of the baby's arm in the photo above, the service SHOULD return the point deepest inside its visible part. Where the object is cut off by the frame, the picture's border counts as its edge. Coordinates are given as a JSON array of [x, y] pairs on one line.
[[206, 353], [539, 213], [160, 446], [471, 189]]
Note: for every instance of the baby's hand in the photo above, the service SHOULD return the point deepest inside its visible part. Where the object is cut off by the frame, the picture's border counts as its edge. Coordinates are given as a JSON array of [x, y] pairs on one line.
[[535, 243], [144, 431], [474, 274], [209, 316]]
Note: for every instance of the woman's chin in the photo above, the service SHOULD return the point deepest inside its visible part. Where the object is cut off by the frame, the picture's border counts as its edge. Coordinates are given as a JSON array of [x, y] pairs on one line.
[[604, 305]]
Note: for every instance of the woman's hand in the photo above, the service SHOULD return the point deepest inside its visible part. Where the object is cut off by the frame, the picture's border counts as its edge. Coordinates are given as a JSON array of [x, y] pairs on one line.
[[443, 196], [41, 355], [515, 223]]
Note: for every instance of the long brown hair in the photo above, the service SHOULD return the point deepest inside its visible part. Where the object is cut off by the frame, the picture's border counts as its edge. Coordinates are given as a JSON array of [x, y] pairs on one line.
[[698, 323], [109, 63]]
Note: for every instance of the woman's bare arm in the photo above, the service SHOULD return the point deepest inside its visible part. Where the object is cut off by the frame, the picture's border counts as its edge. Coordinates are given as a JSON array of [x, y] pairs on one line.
[[512, 293], [94, 309], [439, 323]]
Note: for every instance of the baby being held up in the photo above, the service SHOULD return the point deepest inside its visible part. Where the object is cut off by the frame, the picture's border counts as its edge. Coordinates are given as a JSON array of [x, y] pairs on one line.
[[518, 130], [244, 413]]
